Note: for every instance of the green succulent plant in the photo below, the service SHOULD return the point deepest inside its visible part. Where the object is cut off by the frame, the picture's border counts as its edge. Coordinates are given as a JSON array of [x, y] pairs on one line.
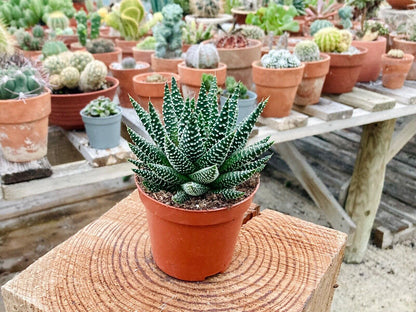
[[101, 107], [149, 43], [307, 51], [231, 85], [193, 34], [280, 59], [197, 149], [318, 24]]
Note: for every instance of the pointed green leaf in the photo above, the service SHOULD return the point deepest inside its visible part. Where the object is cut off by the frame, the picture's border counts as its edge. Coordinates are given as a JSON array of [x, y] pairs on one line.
[[205, 175], [180, 197], [177, 98], [194, 189], [167, 174], [154, 180], [151, 187], [177, 158], [169, 116], [229, 194], [233, 109], [158, 131], [191, 142], [142, 114], [231, 179], [220, 127], [139, 153], [188, 109], [136, 162], [257, 165], [212, 104], [216, 154]]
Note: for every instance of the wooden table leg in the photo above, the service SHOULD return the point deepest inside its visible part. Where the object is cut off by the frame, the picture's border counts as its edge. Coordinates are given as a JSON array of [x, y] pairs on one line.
[[367, 185]]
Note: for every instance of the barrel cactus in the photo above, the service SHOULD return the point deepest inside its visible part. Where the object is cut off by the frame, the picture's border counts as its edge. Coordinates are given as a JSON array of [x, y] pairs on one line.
[[54, 65], [197, 149], [280, 59], [80, 59], [70, 77], [57, 20], [53, 47], [202, 56], [332, 39], [318, 24], [252, 32], [93, 76], [38, 31], [206, 8], [395, 53], [100, 46], [128, 63], [55, 81], [307, 51]]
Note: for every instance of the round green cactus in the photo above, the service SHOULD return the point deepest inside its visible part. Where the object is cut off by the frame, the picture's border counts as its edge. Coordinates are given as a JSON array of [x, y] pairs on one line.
[[328, 39], [317, 25], [149, 43], [57, 20], [38, 31], [93, 76], [70, 77], [202, 56], [252, 32], [128, 63], [80, 59], [280, 59], [100, 46], [53, 48], [54, 65], [307, 51]]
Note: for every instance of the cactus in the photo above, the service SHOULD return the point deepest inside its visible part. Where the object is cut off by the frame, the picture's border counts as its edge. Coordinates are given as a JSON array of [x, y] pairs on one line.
[[345, 14], [80, 59], [333, 40], [82, 34], [202, 56], [206, 8], [93, 76], [168, 34], [64, 32], [128, 63], [81, 17], [198, 151], [55, 81], [70, 77], [231, 85], [307, 51], [395, 53], [149, 43], [95, 19], [252, 32], [54, 65], [155, 78], [6, 45], [318, 24], [65, 57], [101, 107], [38, 32], [232, 38], [31, 42], [194, 35], [53, 47], [250, 5], [100, 46], [280, 59], [57, 20]]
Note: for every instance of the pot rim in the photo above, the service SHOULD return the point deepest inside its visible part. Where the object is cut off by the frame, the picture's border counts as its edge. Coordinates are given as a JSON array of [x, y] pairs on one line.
[[117, 50], [142, 50], [255, 64], [404, 40], [147, 66], [83, 94], [137, 78], [15, 101], [102, 118], [166, 59], [221, 66], [361, 49], [406, 58]]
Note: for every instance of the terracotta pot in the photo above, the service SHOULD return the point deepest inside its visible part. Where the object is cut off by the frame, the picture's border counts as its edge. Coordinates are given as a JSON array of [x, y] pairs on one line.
[[310, 88], [72, 22], [185, 47], [66, 107], [192, 245], [279, 85], [109, 37], [143, 55], [191, 78], [240, 15], [343, 71], [109, 57], [24, 127], [32, 54], [395, 70], [76, 46], [125, 78], [165, 65], [67, 39], [104, 30], [152, 91], [372, 60], [126, 46], [408, 47], [400, 4]]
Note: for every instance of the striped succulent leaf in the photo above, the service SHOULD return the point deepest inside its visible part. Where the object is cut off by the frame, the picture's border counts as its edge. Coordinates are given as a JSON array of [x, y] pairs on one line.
[[198, 149]]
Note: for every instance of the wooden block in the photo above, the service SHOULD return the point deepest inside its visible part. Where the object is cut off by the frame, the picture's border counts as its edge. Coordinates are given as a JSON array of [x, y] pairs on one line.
[[367, 100], [405, 95], [294, 120], [326, 110], [12, 172], [99, 157], [280, 264]]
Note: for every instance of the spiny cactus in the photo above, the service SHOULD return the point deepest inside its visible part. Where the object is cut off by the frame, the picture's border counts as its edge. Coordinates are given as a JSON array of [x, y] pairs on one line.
[[193, 34], [95, 19], [82, 34], [252, 32], [318, 24], [57, 20], [38, 32], [202, 56], [28, 42], [307, 51], [198, 149], [6, 44], [55, 81], [80, 59], [333, 40], [93, 76], [53, 47], [206, 8], [64, 32], [346, 15], [100, 46], [128, 63], [101, 107], [70, 77], [231, 85], [149, 43], [395, 53], [280, 59], [54, 65]]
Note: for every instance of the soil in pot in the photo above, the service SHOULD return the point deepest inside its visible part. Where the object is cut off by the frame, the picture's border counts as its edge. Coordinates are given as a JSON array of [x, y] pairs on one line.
[[125, 78], [372, 60], [109, 57], [143, 55], [408, 47], [165, 65], [395, 70]]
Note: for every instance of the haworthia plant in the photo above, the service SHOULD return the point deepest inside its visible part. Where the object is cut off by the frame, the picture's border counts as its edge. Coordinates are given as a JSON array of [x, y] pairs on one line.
[[198, 149]]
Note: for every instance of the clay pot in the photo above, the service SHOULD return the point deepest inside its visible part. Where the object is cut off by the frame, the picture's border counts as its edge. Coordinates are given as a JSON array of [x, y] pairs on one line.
[[400, 4], [279, 85], [32, 54], [395, 70], [107, 36], [104, 30], [193, 244], [185, 47], [165, 65], [66, 107], [152, 91], [24, 127], [125, 78], [343, 71], [372, 60], [109, 57], [143, 55], [408, 47], [191, 78], [76, 46], [126, 46], [240, 15], [310, 88]]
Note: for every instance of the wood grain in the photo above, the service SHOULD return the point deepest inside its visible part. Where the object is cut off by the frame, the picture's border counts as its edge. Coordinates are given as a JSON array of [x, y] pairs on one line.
[[405, 95], [294, 120], [326, 110], [280, 264]]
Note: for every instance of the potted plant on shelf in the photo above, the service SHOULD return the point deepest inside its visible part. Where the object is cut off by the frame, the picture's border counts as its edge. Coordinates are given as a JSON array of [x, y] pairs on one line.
[[104, 50], [53, 47], [316, 69], [346, 60], [407, 44], [200, 166], [168, 35], [143, 51], [82, 29], [76, 79], [207, 12], [31, 43], [318, 24], [124, 72], [150, 87], [240, 13], [395, 66], [277, 76], [200, 59], [247, 100], [102, 119], [25, 105], [195, 34]]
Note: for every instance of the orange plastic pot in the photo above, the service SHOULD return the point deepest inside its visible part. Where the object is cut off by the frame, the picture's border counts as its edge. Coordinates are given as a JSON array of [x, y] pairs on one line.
[[310, 88], [66, 107], [165, 65], [152, 91], [191, 77], [142, 55], [343, 71], [125, 78], [372, 60], [279, 85], [408, 47], [395, 70], [24, 127], [109, 57], [192, 245], [126, 46]]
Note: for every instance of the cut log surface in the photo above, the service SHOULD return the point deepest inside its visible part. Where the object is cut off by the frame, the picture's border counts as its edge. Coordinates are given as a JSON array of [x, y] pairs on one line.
[[280, 264]]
